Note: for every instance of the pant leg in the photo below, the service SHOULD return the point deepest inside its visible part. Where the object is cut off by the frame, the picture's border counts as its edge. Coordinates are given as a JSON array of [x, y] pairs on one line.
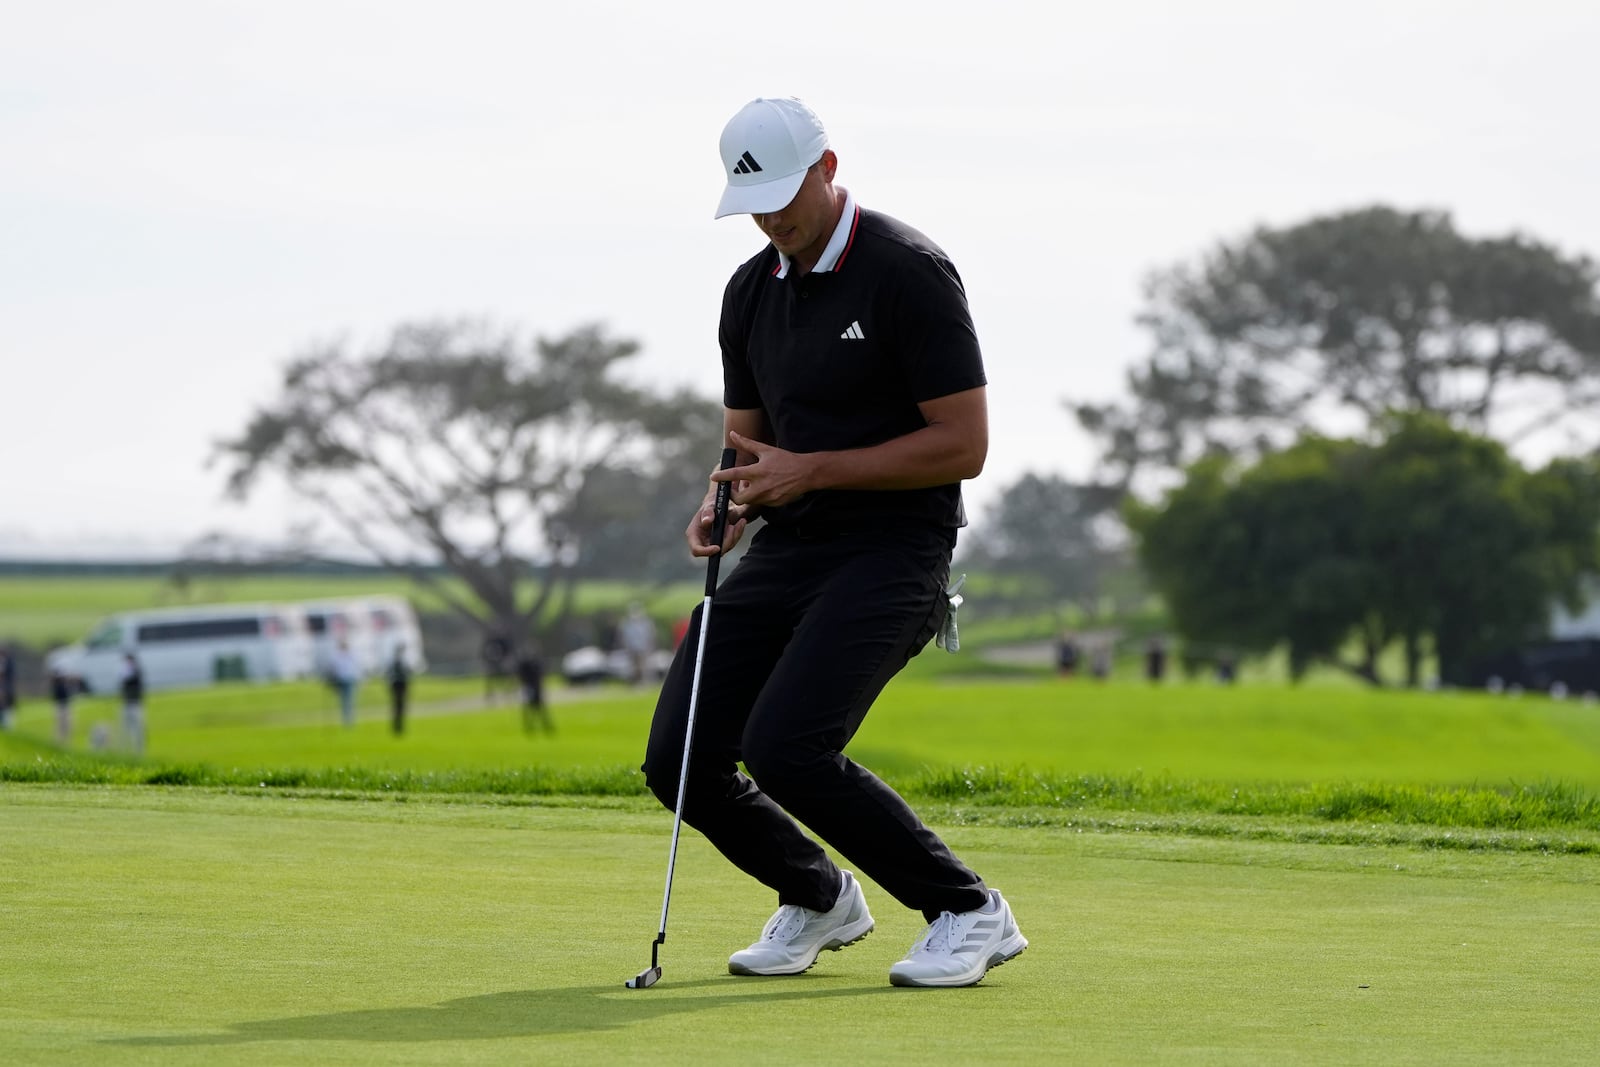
[[803, 637], [879, 603], [751, 621]]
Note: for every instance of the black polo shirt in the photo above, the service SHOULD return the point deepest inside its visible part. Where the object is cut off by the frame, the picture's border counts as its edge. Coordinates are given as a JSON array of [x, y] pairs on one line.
[[840, 358]]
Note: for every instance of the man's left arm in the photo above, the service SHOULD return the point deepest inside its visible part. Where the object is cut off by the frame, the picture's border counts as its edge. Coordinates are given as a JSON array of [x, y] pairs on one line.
[[951, 447]]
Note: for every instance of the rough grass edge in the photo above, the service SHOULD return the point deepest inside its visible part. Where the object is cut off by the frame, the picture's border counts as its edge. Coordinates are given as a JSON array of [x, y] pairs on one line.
[[1558, 816]]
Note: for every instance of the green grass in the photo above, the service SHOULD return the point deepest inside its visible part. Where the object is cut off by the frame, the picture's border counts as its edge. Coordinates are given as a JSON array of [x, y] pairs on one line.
[[1209, 875], [1237, 733], [190, 927], [1524, 772], [1240, 734]]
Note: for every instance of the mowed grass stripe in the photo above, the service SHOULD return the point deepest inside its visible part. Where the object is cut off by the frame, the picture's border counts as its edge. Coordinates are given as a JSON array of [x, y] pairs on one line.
[[1448, 760], [180, 926], [1239, 733], [1202, 732]]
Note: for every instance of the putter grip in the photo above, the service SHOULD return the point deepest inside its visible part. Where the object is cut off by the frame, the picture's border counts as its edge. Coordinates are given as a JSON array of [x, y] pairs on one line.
[[719, 519]]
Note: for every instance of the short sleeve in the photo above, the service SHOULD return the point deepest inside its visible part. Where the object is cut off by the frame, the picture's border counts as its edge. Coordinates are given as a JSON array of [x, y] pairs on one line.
[[733, 336], [936, 342]]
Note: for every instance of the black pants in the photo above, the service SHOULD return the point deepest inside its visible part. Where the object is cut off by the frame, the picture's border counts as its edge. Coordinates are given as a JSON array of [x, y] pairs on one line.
[[804, 635], [397, 707]]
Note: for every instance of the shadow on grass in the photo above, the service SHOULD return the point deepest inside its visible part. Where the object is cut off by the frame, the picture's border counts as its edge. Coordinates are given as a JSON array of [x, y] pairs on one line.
[[527, 1013]]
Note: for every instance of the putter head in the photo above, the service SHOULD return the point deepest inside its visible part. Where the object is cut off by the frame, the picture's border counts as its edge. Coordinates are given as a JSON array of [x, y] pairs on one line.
[[646, 978]]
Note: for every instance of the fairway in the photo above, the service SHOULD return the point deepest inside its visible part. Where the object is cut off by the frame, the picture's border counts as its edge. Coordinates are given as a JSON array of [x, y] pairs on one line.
[[187, 927]]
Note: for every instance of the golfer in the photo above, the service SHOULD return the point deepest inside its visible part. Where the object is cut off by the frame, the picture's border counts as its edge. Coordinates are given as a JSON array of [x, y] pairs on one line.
[[853, 390]]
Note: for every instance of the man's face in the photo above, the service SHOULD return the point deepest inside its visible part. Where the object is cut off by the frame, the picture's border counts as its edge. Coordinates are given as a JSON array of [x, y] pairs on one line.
[[801, 229]]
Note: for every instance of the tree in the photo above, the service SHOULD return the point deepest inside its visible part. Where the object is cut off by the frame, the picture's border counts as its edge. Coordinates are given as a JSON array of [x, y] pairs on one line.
[[1265, 558], [1344, 318], [1428, 536], [455, 444], [1061, 535], [1476, 549]]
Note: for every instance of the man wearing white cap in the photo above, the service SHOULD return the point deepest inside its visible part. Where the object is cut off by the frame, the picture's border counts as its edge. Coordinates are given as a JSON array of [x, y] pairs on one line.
[[853, 390]]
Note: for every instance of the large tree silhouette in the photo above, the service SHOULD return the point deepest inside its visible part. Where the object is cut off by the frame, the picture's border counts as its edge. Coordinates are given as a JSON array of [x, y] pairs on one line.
[[1329, 324], [454, 445]]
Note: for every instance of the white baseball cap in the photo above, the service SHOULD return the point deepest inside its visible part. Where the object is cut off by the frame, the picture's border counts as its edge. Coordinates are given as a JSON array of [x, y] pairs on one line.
[[766, 150]]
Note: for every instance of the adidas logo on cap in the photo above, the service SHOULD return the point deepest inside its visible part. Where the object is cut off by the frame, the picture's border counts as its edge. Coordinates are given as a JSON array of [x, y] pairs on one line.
[[767, 149]]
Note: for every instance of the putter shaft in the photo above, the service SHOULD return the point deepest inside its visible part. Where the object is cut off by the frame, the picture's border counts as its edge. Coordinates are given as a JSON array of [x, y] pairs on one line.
[[719, 527]]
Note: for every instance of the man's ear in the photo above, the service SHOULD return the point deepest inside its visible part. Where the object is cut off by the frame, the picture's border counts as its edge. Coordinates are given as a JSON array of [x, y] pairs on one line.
[[829, 164]]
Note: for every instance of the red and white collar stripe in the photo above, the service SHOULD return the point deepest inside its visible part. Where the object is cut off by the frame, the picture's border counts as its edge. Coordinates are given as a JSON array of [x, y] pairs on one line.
[[839, 245]]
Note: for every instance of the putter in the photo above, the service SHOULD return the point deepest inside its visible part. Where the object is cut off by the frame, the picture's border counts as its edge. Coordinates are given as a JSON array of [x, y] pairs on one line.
[[719, 525]]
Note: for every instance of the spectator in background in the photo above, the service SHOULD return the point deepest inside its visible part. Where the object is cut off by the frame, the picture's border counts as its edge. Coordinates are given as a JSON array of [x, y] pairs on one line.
[[637, 636], [343, 675], [399, 689], [530, 672], [1155, 660], [133, 703], [606, 632], [61, 695], [8, 688], [1066, 655], [1100, 659]]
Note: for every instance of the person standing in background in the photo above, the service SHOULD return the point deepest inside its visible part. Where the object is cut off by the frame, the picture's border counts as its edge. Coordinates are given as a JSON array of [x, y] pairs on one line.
[[8, 688], [342, 675], [133, 703], [61, 695], [1066, 654], [637, 635], [399, 689], [1100, 659], [1155, 659], [530, 672]]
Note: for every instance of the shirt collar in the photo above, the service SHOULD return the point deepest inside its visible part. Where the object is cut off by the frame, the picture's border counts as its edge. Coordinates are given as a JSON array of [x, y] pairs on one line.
[[838, 244]]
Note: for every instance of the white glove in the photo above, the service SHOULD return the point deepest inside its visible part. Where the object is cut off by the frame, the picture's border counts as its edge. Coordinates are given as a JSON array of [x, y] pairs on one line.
[[949, 637]]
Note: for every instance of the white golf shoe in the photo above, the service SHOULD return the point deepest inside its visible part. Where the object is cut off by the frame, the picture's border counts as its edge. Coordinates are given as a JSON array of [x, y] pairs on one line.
[[795, 936], [957, 950]]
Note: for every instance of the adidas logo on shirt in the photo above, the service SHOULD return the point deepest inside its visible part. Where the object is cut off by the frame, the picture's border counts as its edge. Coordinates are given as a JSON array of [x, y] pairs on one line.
[[747, 165], [854, 333]]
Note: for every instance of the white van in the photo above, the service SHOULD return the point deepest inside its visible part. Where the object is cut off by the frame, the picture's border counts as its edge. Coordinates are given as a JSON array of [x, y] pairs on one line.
[[193, 646], [372, 626]]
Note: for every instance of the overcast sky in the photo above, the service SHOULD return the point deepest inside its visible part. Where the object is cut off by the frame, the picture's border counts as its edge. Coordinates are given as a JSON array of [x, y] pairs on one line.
[[191, 191]]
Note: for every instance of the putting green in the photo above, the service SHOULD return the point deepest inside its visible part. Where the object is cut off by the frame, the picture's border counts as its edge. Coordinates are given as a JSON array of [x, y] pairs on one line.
[[141, 925]]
